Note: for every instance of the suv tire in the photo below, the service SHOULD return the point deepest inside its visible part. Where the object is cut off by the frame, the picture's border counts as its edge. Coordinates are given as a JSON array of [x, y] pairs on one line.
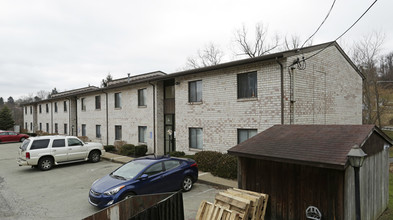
[[45, 163], [94, 156]]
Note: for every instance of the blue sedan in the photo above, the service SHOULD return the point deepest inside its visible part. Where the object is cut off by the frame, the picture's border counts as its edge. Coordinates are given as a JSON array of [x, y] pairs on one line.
[[146, 175]]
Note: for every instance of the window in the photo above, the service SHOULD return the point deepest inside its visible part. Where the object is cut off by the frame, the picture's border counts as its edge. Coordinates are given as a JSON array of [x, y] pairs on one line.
[[39, 144], [55, 106], [154, 169], [83, 130], [117, 100], [98, 102], [196, 138], [25, 110], [65, 106], [142, 134], [58, 143], [170, 164], [83, 104], [98, 131], [65, 128], [40, 109], [31, 110], [117, 132], [31, 126], [56, 128], [47, 108], [142, 97], [40, 126], [247, 85], [74, 142], [244, 134], [195, 91], [26, 125], [47, 127]]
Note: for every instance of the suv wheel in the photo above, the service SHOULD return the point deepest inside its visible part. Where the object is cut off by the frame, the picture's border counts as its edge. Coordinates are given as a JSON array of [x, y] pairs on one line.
[[94, 156], [45, 163]]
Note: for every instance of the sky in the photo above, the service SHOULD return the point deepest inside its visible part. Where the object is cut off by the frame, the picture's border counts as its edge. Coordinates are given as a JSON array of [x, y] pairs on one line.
[[46, 44]]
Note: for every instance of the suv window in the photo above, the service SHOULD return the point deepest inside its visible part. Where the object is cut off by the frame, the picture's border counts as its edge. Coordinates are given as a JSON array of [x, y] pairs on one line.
[[170, 164], [25, 144], [58, 143], [74, 142], [39, 144]]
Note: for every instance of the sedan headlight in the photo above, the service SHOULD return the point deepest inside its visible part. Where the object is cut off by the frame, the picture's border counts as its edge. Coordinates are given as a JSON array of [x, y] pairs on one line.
[[114, 190]]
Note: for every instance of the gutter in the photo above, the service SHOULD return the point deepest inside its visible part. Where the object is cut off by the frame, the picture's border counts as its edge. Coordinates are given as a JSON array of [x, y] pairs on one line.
[[282, 89]]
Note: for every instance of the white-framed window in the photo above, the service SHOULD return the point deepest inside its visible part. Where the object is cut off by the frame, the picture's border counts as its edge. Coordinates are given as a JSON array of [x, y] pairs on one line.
[[118, 132], [195, 91], [142, 130], [196, 138]]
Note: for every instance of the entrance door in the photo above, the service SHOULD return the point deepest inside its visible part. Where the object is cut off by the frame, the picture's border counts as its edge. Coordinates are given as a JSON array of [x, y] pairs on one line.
[[170, 133], [169, 116]]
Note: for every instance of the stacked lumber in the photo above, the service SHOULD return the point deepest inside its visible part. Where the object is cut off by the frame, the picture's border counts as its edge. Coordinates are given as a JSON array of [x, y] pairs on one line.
[[212, 211], [235, 204]]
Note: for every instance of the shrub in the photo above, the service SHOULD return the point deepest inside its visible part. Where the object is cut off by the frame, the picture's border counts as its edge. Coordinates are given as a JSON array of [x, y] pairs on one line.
[[110, 148], [140, 150], [119, 144], [207, 160], [127, 150], [177, 154], [226, 167]]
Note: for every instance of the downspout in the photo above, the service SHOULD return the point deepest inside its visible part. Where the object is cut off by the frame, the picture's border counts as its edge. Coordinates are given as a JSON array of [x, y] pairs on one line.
[[69, 115], [76, 116], [106, 115], [291, 95], [282, 89], [51, 117], [154, 117]]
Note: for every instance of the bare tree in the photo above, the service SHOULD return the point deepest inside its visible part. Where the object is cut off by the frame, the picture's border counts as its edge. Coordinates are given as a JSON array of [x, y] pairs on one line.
[[366, 56], [42, 94], [258, 46], [209, 56]]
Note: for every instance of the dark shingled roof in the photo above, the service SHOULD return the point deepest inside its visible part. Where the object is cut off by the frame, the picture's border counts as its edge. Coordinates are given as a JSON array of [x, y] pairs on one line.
[[316, 145]]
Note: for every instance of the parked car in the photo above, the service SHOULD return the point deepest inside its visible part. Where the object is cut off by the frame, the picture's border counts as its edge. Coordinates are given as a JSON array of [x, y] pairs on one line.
[[45, 151], [146, 175], [12, 136]]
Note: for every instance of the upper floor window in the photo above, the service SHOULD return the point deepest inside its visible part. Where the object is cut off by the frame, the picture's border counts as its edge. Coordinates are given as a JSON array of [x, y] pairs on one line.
[[142, 97], [244, 134], [65, 106], [83, 104], [31, 110], [47, 108], [118, 100], [98, 102], [25, 110], [40, 108], [247, 85], [195, 91], [55, 106]]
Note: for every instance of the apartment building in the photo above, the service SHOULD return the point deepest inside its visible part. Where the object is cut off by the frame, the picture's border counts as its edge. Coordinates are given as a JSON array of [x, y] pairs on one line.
[[217, 107]]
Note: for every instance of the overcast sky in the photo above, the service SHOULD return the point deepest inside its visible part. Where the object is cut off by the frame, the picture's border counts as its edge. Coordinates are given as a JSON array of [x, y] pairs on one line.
[[70, 44]]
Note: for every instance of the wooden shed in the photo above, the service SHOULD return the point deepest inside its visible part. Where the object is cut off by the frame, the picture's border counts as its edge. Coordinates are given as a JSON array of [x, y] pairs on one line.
[[307, 165]]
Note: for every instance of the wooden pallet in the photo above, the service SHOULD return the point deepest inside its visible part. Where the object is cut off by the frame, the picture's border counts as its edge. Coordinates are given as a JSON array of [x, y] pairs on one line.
[[210, 211], [235, 203], [258, 202]]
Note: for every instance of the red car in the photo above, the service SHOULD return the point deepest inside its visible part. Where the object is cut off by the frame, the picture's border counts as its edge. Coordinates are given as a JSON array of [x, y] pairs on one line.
[[12, 136]]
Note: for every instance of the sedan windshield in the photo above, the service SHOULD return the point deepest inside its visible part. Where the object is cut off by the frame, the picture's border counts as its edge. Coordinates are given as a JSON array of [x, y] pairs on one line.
[[130, 170]]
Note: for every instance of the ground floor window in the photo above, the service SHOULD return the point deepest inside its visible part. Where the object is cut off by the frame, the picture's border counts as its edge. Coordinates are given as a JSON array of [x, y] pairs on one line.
[[196, 138], [117, 132], [65, 128], [83, 130], [98, 131], [142, 134], [244, 134], [56, 128]]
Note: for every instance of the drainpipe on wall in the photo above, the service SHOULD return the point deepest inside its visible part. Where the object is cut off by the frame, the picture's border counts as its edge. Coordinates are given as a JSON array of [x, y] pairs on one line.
[[51, 117], [292, 94], [282, 89], [69, 115], [76, 116], [154, 118], [106, 115]]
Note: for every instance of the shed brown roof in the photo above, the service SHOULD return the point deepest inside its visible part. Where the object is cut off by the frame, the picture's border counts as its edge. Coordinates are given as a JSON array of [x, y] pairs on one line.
[[316, 145]]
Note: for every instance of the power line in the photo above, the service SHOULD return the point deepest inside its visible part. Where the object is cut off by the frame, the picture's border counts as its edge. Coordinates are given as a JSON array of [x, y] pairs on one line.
[[330, 10], [304, 59]]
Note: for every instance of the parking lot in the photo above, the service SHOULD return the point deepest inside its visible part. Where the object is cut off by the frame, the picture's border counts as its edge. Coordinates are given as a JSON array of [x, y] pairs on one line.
[[62, 193]]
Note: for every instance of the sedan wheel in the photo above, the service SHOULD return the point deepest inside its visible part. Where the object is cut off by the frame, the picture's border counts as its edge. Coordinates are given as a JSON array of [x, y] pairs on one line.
[[45, 163], [187, 184]]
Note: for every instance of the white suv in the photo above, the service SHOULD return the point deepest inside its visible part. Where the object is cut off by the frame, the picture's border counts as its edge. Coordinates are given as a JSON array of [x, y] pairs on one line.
[[45, 151]]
